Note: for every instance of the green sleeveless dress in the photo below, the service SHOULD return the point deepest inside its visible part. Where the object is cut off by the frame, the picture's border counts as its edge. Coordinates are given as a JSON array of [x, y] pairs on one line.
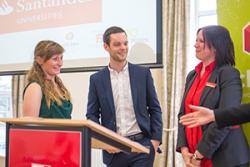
[[55, 111]]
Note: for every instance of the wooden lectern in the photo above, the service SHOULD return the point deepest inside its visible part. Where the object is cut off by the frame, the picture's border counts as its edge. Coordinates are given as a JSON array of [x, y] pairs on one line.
[[37, 142]]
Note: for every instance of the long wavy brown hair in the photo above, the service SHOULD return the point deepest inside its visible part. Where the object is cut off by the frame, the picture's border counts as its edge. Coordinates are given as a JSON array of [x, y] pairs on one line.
[[45, 50]]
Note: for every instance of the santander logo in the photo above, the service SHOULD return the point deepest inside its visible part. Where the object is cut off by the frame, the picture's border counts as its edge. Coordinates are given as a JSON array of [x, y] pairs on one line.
[[5, 8], [26, 5], [39, 165], [25, 15]]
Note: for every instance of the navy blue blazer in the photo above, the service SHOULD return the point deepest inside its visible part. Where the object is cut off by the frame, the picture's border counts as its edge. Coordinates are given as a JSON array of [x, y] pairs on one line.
[[226, 146], [147, 109]]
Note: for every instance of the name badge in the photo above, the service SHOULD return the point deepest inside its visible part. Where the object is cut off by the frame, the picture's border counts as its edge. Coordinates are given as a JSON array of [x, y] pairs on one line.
[[211, 84]]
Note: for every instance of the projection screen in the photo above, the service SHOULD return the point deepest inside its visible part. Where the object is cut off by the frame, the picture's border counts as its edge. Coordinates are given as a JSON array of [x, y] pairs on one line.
[[78, 26]]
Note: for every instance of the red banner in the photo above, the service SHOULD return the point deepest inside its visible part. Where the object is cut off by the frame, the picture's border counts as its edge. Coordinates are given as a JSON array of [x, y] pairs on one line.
[[44, 148]]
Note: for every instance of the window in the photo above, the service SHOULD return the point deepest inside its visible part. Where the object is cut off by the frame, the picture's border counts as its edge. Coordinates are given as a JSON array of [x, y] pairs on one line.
[[205, 12], [202, 13], [5, 107]]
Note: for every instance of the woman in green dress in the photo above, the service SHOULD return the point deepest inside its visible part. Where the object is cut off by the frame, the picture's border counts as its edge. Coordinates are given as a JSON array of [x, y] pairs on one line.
[[45, 94]]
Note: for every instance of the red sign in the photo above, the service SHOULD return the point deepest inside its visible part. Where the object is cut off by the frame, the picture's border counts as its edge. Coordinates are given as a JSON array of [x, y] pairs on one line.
[[44, 148], [246, 38]]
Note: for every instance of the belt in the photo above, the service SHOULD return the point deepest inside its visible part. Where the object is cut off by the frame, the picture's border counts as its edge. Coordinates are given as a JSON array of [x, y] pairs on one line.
[[136, 137]]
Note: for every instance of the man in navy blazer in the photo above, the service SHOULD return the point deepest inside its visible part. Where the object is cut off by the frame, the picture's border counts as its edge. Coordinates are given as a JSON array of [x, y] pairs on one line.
[[122, 98]]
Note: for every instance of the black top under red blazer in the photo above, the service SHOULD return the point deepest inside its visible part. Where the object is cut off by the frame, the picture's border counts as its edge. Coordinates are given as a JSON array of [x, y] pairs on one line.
[[226, 146]]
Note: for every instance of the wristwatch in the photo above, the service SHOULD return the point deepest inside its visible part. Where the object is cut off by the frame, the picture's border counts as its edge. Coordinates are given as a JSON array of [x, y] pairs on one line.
[[195, 157]]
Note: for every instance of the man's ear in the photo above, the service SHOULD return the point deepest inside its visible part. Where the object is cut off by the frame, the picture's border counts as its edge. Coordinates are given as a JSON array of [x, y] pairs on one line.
[[106, 46], [39, 60]]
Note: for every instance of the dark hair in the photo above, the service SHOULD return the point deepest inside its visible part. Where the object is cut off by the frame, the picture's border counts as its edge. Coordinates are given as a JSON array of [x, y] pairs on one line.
[[109, 31], [218, 37]]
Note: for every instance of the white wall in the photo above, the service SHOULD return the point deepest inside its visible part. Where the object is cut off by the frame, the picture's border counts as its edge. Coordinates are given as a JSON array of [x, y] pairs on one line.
[[78, 84]]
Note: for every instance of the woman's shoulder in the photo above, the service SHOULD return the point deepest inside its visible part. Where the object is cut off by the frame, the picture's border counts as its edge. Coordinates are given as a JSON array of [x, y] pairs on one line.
[[32, 87], [228, 70], [190, 75], [228, 73]]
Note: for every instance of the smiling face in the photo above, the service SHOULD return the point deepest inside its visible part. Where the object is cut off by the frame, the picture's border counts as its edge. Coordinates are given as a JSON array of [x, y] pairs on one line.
[[49, 56], [203, 52], [118, 47], [52, 66]]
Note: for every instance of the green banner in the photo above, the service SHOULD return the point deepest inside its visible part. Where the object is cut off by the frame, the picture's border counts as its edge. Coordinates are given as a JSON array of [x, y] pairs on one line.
[[235, 15]]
